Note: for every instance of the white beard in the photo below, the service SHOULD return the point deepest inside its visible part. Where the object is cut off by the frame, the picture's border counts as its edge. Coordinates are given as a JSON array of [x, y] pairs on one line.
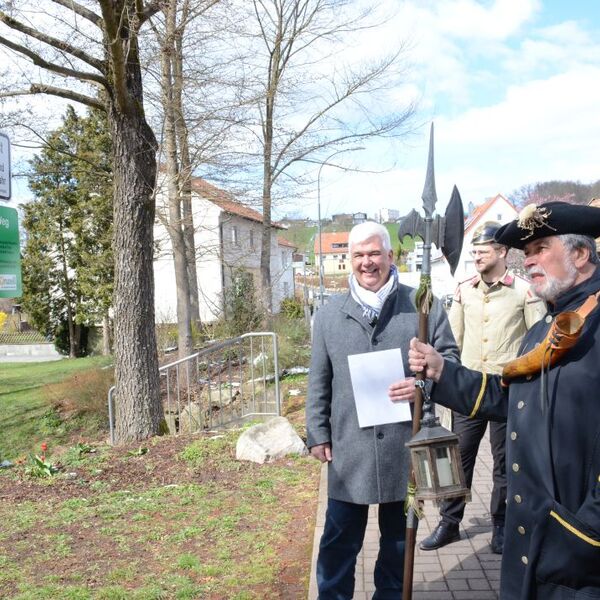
[[554, 287]]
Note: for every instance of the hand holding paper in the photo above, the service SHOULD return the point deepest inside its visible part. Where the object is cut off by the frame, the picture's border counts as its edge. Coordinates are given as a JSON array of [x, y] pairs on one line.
[[372, 374]]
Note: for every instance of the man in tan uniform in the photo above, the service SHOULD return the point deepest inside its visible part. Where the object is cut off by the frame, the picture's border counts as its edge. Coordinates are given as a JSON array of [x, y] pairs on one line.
[[489, 316]]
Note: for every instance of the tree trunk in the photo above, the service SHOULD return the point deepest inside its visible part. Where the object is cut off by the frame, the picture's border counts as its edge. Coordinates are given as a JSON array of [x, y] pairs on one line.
[[105, 335], [185, 178], [138, 406], [175, 225]]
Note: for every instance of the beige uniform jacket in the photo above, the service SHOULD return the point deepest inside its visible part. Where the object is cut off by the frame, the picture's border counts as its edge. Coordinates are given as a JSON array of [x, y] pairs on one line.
[[489, 321]]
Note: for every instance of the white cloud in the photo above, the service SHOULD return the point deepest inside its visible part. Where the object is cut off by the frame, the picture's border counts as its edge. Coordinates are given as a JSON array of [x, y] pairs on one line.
[[472, 20]]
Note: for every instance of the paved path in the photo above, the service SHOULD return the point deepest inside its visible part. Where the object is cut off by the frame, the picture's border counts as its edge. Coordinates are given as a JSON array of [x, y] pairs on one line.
[[465, 570]]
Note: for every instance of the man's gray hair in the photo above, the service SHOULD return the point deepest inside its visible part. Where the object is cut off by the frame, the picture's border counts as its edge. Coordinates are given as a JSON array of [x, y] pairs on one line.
[[364, 231], [572, 241]]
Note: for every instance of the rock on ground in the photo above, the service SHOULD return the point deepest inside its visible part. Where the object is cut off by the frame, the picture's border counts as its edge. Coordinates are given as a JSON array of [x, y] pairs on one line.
[[269, 441]]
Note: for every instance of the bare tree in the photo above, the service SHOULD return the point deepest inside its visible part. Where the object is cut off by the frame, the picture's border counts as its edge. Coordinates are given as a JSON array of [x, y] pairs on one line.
[[92, 48], [309, 98]]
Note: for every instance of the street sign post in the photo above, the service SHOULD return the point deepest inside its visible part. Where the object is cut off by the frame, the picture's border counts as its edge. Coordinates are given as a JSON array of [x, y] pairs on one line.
[[10, 254], [4, 167]]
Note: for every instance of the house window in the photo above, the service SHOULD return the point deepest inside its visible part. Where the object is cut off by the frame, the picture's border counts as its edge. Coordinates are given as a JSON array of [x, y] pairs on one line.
[[286, 289], [283, 261], [235, 239], [343, 257], [252, 239]]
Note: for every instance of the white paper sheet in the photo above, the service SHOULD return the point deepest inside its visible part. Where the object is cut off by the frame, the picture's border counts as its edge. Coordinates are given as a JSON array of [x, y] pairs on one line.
[[372, 374]]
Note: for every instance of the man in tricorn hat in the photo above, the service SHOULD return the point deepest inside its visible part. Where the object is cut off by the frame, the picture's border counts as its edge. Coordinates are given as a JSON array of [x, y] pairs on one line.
[[490, 314], [549, 396]]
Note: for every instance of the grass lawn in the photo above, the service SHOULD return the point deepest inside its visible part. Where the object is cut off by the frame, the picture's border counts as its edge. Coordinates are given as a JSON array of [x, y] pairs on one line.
[[176, 517], [26, 418]]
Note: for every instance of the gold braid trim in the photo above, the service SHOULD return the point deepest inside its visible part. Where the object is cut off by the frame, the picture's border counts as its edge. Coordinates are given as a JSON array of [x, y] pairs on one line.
[[412, 502], [572, 529], [480, 396]]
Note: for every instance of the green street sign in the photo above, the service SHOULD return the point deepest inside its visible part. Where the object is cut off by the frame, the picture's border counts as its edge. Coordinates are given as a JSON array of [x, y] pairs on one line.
[[10, 254]]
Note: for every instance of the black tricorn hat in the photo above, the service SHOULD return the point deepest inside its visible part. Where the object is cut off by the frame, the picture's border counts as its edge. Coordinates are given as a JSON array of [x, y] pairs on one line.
[[550, 218], [485, 233]]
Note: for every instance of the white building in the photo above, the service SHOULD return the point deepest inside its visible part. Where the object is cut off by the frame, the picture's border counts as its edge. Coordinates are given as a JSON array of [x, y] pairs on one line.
[[227, 238]]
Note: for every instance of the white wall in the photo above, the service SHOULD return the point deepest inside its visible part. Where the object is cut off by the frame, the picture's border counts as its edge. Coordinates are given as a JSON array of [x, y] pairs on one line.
[[216, 259]]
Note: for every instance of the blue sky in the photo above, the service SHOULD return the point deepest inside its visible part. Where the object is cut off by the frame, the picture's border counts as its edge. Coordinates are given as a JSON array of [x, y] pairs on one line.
[[513, 87]]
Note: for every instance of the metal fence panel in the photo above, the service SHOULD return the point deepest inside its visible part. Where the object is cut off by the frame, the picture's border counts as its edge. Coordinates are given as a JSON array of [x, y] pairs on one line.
[[222, 385]]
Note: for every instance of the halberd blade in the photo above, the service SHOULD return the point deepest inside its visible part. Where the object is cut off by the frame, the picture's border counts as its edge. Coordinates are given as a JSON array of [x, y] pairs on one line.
[[429, 196]]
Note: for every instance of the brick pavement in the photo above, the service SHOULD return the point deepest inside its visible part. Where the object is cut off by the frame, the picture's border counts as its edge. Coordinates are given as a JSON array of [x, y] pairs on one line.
[[464, 570]]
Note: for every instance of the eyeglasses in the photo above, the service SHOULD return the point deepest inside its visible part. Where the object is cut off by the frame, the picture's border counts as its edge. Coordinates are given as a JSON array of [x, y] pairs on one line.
[[475, 253]]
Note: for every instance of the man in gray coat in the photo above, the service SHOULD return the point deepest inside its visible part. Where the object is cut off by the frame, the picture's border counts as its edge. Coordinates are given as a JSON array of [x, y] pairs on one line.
[[368, 465]]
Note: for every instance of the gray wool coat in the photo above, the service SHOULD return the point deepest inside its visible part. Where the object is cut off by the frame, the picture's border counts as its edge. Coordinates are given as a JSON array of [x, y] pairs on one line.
[[369, 465]]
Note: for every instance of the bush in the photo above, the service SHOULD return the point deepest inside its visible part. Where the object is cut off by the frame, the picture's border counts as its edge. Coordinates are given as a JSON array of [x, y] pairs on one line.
[[293, 339], [292, 308], [82, 395]]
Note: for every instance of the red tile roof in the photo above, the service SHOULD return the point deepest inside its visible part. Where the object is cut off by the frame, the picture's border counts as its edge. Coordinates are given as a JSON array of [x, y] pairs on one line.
[[328, 239], [283, 242], [226, 202]]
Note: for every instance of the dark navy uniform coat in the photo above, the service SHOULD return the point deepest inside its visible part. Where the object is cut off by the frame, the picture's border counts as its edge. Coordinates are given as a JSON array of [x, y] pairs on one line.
[[552, 543]]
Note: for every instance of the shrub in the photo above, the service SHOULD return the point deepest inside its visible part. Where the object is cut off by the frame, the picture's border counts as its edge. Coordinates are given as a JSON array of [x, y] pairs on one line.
[[292, 308], [81, 395]]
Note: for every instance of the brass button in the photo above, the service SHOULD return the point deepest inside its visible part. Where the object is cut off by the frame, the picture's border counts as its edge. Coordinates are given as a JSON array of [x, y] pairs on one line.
[[486, 298], [513, 435], [520, 404], [486, 319], [485, 358], [524, 560], [518, 499], [521, 529], [485, 340], [515, 467], [548, 319], [529, 377]]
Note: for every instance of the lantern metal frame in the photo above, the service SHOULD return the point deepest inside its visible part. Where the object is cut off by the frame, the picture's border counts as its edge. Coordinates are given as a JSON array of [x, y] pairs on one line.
[[436, 460]]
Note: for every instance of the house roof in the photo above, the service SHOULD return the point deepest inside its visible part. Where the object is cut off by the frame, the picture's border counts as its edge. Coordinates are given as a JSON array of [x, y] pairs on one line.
[[281, 241], [328, 239], [480, 210], [226, 201]]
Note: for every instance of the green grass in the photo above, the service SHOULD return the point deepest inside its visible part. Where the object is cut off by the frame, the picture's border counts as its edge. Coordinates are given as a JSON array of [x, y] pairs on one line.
[[26, 419], [184, 520]]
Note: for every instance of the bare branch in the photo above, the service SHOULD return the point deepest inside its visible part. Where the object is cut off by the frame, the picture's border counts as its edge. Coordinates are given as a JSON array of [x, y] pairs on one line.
[[82, 11], [38, 88], [40, 62], [55, 43]]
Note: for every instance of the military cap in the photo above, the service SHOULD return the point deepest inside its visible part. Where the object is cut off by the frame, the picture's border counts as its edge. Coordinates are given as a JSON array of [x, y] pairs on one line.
[[485, 233], [550, 218]]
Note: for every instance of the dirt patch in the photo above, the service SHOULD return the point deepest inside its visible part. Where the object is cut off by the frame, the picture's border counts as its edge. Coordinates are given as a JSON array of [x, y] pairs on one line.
[[125, 513]]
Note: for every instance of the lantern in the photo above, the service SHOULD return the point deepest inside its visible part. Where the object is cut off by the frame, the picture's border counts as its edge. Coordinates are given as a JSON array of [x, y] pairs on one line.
[[436, 461]]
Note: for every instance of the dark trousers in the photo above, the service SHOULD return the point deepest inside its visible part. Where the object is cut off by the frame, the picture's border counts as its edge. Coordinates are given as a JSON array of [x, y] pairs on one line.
[[343, 534], [470, 432]]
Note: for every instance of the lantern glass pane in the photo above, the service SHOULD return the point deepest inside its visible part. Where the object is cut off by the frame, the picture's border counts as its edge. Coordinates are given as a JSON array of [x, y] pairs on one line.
[[424, 472], [443, 463]]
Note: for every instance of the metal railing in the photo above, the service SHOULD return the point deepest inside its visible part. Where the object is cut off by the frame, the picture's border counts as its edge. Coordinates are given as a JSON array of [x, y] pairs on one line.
[[222, 385]]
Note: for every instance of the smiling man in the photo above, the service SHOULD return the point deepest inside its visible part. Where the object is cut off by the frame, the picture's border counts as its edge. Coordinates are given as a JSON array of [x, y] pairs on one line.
[[367, 465], [549, 397]]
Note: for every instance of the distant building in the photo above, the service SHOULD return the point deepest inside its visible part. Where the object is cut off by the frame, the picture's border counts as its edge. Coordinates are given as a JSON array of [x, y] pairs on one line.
[[388, 215], [342, 219], [228, 238], [334, 249], [359, 217]]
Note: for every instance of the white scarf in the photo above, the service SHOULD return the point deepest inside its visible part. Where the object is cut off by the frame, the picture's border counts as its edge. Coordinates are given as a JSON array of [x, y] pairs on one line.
[[372, 302]]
